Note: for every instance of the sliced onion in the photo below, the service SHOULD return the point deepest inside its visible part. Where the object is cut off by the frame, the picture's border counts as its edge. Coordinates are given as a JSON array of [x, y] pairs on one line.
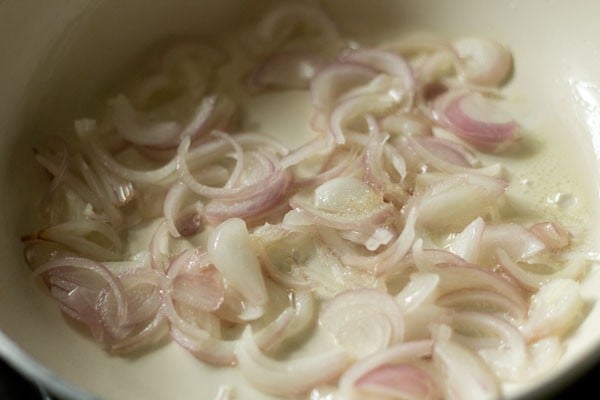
[[477, 120], [400, 381], [332, 81], [514, 239], [286, 69], [381, 263], [484, 61], [554, 309], [230, 250], [363, 321], [532, 278], [468, 242], [343, 203], [420, 289], [141, 129], [497, 341], [290, 377], [471, 195], [552, 234], [402, 353], [457, 274], [465, 376]]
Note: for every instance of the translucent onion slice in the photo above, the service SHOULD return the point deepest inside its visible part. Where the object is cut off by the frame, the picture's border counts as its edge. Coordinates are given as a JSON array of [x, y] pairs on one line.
[[290, 377], [421, 288], [335, 79], [552, 234], [464, 375], [514, 239], [477, 120], [363, 321], [285, 69], [399, 381], [534, 276], [501, 345], [343, 203], [554, 309], [484, 61], [470, 195], [407, 353], [230, 250], [142, 129], [457, 274]]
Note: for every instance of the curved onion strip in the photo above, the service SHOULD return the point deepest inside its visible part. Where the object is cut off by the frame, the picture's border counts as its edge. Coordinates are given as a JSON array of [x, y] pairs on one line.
[[420, 289], [484, 300], [343, 203], [335, 79], [351, 108], [363, 321], [73, 234], [385, 261], [280, 22], [186, 222], [476, 120], [554, 309], [465, 375], [141, 129], [514, 239], [401, 381], [497, 341], [457, 274], [257, 206], [552, 234], [375, 170], [285, 69], [388, 63], [143, 298], [155, 331], [532, 280], [400, 353], [247, 191], [485, 61], [85, 264], [282, 378]]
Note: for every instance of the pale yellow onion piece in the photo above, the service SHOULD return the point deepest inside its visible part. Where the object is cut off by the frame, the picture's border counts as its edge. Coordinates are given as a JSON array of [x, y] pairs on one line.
[[289, 377], [230, 249]]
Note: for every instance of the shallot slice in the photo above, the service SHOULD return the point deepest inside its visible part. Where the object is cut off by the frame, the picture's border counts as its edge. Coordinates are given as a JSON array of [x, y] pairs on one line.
[[534, 276], [554, 309], [230, 250], [407, 353], [286, 69], [400, 381], [464, 374], [363, 321], [290, 377], [484, 61], [141, 129], [477, 120], [469, 195], [335, 79]]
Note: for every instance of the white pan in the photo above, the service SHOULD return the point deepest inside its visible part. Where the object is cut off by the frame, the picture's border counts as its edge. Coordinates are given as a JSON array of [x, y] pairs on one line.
[[56, 56]]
